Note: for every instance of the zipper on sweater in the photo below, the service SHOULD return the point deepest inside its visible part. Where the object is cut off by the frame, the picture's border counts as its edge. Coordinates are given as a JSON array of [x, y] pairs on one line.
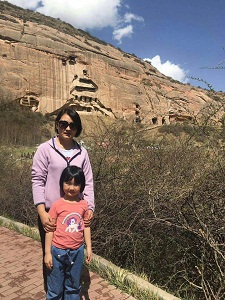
[[67, 161]]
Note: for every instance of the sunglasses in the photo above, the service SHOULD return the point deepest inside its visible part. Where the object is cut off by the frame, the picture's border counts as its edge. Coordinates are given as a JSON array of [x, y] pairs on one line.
[[65, 124]]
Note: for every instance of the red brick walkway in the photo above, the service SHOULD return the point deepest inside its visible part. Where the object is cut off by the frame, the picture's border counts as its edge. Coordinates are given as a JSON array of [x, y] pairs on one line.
[[21, 275]]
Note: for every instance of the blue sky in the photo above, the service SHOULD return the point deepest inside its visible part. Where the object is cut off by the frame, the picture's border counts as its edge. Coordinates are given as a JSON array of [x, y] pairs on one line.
[[181, 38]]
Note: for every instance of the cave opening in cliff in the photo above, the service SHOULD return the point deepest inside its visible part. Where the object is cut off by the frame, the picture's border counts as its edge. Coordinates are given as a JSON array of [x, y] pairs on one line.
[[154, 120]]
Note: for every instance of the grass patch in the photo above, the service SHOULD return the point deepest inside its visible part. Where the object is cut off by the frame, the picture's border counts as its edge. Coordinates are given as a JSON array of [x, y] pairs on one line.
[[31, 232], [120, 278]]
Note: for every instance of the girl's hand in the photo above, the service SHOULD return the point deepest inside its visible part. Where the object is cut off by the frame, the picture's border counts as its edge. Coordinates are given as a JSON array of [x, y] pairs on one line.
[[48, 261], [89, 255], [47, 222], [88, 217]]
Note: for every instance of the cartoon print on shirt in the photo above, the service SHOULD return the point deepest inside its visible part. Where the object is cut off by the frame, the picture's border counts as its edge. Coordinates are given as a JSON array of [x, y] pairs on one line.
[[73, 226], [74, 222]]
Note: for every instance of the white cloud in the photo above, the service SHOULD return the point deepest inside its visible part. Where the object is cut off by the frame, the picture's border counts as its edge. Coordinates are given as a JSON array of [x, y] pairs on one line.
[[169, 69], [27, 4], [128, 17], [87, 14], [120, 33]]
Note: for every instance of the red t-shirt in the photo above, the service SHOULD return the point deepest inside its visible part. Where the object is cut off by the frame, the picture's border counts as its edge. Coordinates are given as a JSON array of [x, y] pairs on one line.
[[69, 233]]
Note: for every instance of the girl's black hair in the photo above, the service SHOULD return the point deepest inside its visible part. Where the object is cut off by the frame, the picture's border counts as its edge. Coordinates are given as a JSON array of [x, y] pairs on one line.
[[71, 172], [73, 115]]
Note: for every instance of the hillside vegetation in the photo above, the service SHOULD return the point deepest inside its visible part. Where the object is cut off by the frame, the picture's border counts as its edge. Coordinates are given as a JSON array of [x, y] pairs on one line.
[[159, 196]]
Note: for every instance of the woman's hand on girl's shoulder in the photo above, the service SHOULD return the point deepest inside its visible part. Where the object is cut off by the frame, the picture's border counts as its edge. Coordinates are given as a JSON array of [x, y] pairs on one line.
[[88, 216], [48, 223]]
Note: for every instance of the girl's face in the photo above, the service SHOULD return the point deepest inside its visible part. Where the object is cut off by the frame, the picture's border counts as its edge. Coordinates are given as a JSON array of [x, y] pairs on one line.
[[66, 128], [71, 190]]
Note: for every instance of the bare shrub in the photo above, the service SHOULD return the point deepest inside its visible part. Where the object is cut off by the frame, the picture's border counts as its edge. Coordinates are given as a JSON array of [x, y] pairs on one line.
[[19, 127], [159, 204], [160, 210], [15, 184]]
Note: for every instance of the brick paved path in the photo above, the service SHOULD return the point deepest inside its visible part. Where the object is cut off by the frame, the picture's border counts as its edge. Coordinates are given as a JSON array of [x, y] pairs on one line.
[[21, 275]]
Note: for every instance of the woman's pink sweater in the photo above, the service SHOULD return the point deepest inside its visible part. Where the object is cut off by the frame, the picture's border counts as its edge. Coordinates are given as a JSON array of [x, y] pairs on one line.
[[47, 167]]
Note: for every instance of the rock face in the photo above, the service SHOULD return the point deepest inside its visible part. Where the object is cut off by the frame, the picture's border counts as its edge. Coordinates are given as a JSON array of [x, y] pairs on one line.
[[46, 64]]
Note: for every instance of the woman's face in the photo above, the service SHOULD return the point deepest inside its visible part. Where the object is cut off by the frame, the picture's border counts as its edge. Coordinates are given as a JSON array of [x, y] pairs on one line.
[[66, 128]]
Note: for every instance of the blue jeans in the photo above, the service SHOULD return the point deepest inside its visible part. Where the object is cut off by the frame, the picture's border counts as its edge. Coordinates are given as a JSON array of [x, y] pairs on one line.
[[65, 274]]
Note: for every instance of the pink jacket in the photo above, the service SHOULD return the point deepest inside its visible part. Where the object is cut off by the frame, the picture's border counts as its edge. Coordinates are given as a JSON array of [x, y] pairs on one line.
[[48, 165]]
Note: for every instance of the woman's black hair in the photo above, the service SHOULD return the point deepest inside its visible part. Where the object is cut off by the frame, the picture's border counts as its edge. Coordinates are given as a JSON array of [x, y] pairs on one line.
[[71, 172], [73, 115]]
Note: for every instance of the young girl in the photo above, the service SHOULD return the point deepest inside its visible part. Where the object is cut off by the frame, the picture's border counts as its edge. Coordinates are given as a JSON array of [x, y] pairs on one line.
[[64, 248]]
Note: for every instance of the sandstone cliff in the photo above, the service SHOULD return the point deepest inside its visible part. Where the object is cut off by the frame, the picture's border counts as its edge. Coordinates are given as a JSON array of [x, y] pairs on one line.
[[46, 64]]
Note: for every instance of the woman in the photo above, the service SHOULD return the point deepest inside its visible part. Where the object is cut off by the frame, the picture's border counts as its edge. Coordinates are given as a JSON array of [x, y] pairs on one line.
[[49, 161]]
